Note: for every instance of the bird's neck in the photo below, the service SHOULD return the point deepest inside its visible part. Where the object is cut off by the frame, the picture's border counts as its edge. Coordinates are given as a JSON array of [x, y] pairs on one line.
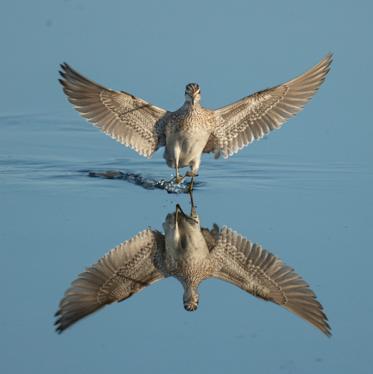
[[190, 285], [190, 106]]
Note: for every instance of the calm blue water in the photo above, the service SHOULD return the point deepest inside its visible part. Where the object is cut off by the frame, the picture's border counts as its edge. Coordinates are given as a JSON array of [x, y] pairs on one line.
[[55, 221], [304, 192]]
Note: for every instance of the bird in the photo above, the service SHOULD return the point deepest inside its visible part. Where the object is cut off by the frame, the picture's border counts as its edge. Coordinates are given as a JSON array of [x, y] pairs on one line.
[[191, 254], [191, 130]]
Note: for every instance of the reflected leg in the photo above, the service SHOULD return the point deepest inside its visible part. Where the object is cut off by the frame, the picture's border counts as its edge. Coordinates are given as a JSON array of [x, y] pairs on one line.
[[193, 172], [193, 211], [190, 187]]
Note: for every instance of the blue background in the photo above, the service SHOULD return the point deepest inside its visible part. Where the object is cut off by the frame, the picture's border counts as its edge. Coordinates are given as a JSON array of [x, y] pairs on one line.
[[304, 192]]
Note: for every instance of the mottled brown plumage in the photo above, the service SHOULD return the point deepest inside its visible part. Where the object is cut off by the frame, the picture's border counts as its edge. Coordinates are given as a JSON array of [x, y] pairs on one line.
[[191, 254], [191, 130]]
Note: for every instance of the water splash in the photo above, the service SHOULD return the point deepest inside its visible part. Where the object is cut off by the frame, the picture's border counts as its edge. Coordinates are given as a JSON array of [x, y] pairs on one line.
[[148, 183]]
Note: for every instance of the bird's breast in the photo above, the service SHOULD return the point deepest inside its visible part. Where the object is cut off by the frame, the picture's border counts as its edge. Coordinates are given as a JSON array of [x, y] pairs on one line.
[[187, 133], [190, 120], [189, 267]]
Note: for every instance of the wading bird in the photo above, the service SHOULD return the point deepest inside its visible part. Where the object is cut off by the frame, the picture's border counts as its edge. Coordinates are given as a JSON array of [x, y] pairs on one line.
[[191, 254], [192, 129]]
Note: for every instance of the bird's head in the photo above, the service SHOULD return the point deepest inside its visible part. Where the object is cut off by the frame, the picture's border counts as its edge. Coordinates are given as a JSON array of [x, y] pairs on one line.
[[192, 93], [191, 299]]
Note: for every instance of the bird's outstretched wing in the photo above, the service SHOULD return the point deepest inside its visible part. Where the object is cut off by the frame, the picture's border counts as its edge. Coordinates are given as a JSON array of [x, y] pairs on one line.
[[128, 119], [119, 274], [250, 118], [260, 273]]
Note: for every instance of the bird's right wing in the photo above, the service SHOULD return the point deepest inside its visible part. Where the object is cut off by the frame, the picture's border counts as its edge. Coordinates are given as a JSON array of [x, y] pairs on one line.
[[254, 116], [128, 119], [264, 275], [119, 274]]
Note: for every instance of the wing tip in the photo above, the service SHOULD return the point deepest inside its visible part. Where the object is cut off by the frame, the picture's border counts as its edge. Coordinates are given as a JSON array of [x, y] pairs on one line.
[[59, 328], [329, 55], [327, 61], [64, 67], [323, 326], [327, 330]]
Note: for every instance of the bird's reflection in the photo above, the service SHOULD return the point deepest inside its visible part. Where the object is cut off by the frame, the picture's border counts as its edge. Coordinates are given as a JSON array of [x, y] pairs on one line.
[[191, 254]]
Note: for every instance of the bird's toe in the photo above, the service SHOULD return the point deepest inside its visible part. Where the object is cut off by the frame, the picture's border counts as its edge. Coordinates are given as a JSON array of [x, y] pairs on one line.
[[179, 179]]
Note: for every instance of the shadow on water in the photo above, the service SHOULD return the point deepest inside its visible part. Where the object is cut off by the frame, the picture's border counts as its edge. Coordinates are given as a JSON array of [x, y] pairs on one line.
[[191, 254]]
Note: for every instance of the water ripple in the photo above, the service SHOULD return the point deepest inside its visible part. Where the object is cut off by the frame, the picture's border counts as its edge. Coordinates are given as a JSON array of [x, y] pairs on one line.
[[58, 149]]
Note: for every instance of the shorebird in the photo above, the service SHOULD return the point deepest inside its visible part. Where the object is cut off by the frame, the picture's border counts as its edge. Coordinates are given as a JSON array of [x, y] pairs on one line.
[[192, 129], [191, 254]]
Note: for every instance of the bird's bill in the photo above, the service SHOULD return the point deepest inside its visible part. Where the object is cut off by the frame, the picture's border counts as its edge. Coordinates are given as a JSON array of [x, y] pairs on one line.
[[180, 215]]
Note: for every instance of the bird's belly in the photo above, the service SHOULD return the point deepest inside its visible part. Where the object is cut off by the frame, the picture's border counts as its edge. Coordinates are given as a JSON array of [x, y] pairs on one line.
[[184, 149]]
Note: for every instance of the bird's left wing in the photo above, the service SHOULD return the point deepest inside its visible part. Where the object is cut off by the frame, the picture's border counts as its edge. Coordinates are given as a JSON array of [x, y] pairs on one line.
[[250, 118], [119, 274], [262, 274], [128, 119]]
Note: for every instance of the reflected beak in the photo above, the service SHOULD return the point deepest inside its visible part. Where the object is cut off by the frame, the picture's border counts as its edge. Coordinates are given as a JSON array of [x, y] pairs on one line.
[[179, 212]]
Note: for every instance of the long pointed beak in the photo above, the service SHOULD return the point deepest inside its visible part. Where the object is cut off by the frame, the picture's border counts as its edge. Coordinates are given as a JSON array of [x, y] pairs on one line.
[[179, 212]]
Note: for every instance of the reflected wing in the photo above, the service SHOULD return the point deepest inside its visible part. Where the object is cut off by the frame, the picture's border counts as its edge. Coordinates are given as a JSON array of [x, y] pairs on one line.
[[122, 272], [257, 271], [252, 117], [126, 118]]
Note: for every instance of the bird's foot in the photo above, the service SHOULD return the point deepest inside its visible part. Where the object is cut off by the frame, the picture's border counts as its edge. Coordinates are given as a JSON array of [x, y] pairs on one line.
[[190, 186], [178, 179], [191, 174]]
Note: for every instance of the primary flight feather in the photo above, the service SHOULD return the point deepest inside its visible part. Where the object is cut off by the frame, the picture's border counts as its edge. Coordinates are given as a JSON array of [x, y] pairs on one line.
[[192, 129], [191, 254]]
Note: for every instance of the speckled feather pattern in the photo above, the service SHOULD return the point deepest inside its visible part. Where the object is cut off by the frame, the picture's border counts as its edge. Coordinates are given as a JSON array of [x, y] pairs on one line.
[[216, 253], [145, 128]]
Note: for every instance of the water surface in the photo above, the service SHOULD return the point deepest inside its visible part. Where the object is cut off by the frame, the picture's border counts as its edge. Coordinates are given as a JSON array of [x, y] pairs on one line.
[[56, 220]]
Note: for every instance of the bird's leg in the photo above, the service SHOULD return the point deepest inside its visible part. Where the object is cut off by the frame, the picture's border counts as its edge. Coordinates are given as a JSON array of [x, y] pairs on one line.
[[193, 210], [190, 187], [178, 178], [192, 201], [194, 166]]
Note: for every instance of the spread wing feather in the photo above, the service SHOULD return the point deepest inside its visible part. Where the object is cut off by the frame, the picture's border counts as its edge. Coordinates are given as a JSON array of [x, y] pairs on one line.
[[119, 274], [130, 120], [262, 274], [250, 118]]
